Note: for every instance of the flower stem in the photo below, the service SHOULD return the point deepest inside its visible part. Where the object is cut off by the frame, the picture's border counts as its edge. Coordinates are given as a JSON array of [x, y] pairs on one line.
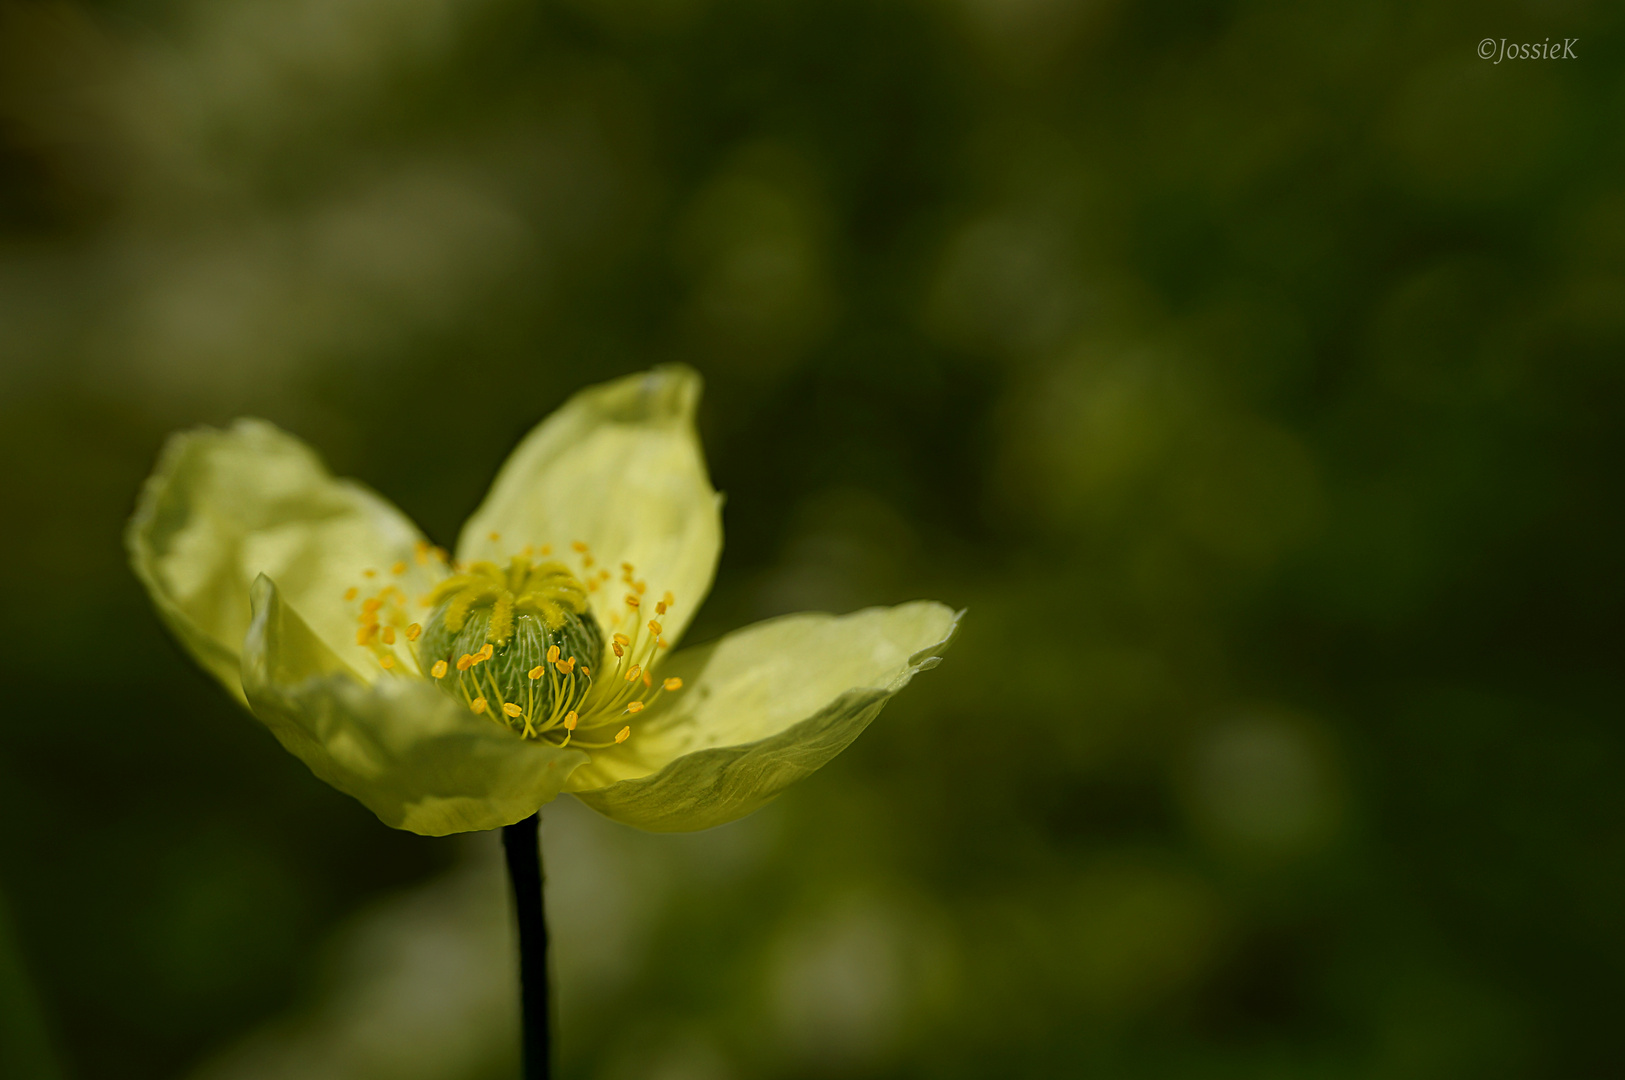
[[521, 842]]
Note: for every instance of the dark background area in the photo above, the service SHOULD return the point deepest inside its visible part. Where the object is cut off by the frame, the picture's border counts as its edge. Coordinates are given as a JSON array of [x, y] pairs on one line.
[[1251, 372]]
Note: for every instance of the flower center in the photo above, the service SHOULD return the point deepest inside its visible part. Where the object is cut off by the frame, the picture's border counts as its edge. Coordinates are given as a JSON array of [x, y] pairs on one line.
[[519, 644]]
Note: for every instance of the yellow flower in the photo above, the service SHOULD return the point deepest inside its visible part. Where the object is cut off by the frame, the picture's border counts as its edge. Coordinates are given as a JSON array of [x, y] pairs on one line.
[[454, 695]]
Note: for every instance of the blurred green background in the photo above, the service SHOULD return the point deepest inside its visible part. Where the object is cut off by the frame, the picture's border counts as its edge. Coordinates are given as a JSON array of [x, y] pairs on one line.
[[1252, 372]]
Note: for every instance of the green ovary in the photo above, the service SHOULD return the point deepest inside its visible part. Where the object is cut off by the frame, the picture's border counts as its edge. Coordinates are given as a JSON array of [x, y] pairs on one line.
[[522, 614]]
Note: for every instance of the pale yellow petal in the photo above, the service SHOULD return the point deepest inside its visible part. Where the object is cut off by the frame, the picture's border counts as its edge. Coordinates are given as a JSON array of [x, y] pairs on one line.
[[760, 709], [409, 753], [619, 468], [225, 506]]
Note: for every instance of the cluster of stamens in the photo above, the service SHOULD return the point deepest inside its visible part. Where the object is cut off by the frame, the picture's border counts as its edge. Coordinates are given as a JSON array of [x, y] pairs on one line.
[[516, 613]]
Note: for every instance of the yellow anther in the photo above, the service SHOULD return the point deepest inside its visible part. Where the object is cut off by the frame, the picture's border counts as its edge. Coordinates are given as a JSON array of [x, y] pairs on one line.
[[552, 654], [623, 734], [654, 628], [413, 631], [398, 569], [369, 573], [420, 552], [570, 720], [371, 604], [673, 683], [535, 672], [618, 650], [465, 661], [363, 636], [627, 567], [641, 587], [478, 704], [621, 639], [388, 635], [631, 601], [668, 599], [438, 554], [634, 673], [546, 549], [565, 666], [586, 671], [662, 643], [387, 661], [351, 593], [510, 709], [439, 669], [494, 537], [634, 706], [604, 575], [488, 651], [660, 608], [648, 680], [586, 562]]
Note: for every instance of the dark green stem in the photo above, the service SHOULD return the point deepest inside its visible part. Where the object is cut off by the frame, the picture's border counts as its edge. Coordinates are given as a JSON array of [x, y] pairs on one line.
[[522, 842]]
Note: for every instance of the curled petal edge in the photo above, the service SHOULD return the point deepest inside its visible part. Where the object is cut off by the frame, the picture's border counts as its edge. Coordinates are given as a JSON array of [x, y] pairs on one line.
[[402, 748], [716, 785]]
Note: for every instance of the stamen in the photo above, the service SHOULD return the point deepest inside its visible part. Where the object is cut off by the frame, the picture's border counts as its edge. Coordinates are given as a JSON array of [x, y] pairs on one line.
[[648, 680], [387, 661], [465, 661], [439, 669], [660, 608], [413, 631], [478, 704], [578, 547], [654, 628], [668, 599], [494, 537], [388, 635], [546, 550], [371, 604], [570, 720], [623, 734], [398, 569], [631, 601], [510, 709], [420, 553], [633, 674], [634, 706], [552, 654], [621, 639], [673, 683], [351, 593], [363, 636], [618, 650], [535, 672]]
